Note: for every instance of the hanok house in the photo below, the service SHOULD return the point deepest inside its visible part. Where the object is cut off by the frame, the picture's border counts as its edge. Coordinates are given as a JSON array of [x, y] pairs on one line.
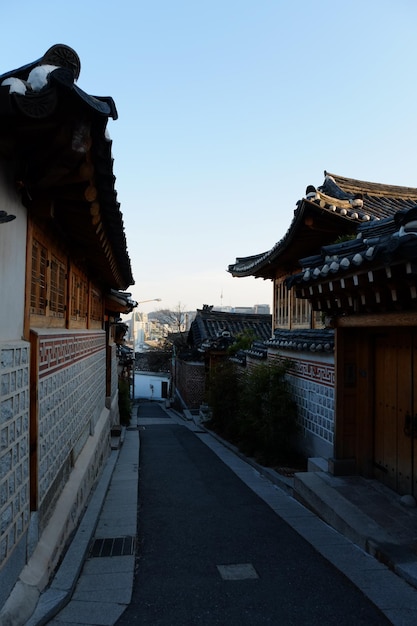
[[211, 334], [332, 429], [63, 263], [368, 287]]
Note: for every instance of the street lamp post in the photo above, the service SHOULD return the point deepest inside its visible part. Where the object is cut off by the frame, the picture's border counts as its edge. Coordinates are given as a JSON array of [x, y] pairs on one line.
[[134, 342]]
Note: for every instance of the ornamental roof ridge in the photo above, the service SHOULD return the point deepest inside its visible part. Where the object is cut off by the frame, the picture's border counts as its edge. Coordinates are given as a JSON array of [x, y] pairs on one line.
[[352, 208], [353, 186], [60, 65], [388, 242]]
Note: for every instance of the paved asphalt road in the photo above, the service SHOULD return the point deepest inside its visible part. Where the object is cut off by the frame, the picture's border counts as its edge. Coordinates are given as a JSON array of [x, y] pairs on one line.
[[212, 552]]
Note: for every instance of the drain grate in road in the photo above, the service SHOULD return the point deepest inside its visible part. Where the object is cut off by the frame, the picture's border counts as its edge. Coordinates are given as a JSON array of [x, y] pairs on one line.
[[113, 546], [237, 571]]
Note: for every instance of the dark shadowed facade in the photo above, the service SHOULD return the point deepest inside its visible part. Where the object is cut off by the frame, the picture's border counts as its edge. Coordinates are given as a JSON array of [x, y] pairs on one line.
[[63, 269], [343, 278]]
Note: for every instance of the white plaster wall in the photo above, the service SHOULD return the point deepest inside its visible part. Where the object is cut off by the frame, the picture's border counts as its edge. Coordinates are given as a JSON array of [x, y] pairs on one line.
[[143, 382], [12, 260]]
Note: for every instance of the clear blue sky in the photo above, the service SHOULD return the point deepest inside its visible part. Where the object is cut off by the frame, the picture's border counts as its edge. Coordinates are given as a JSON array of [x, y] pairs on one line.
[[228, 109]]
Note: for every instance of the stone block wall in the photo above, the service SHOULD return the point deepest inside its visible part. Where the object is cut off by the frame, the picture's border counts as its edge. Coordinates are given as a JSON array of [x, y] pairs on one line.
[[312, 378], [112, 402], [114, 374], [14, 445], [71, 397]]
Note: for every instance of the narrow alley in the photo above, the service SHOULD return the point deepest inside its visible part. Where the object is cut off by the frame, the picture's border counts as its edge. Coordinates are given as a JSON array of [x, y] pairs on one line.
[[211, 551], [214, 543]]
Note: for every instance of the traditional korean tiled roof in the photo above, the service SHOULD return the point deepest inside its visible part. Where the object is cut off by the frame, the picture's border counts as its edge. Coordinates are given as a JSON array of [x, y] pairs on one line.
[[339, 206], [55, 135], [119, 302], [307, 340], [239, 357], [217, 330], [374, 272], [125, 355], [258, 352]]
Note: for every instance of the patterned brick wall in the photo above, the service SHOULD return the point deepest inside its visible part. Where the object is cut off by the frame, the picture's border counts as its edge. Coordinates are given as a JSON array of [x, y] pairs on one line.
[[71, 396], [14, 445], [190, 381], [114, 376], [312, 383]]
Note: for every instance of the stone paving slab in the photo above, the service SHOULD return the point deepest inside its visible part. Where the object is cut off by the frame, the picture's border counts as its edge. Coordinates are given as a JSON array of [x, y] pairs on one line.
[[98, 581], [109, 565], [89, 612]]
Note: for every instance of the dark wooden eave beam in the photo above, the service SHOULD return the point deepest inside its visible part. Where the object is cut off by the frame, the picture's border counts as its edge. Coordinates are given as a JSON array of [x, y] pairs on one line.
[[368, 291]]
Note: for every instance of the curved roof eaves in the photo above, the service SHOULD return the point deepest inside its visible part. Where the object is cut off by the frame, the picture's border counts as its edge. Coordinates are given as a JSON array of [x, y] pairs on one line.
[[342, 199], [38, 90]]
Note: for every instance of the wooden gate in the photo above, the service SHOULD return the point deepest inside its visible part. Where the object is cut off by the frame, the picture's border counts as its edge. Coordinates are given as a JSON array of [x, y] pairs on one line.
[[395, 405]]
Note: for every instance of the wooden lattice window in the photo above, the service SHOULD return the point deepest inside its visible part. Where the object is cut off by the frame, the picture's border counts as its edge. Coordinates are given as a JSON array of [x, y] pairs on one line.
[[292, 312], [300, 312], [282, 305], [79, 296], [38, 279], [96, 305], [83, 295], [57, 288], [318, 319], [74, 296]]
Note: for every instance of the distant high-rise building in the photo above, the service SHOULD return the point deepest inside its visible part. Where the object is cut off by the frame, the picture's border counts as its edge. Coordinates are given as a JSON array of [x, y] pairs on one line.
[[258, 309], [262, 309]]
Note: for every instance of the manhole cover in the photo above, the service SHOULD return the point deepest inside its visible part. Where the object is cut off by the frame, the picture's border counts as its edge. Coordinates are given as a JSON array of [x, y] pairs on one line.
[[237, 571]]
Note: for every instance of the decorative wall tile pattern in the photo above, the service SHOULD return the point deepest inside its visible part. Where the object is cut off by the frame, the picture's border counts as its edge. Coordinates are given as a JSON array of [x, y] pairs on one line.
[[71, 395], [312, 385], [114, 376], [56, 351], [14, 445]]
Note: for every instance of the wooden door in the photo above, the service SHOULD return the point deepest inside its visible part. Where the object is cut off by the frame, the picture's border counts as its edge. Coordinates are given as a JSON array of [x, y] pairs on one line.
[[395, 410]]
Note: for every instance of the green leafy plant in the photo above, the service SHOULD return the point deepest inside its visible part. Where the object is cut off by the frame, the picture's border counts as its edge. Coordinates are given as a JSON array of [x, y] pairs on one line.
[[345, 237], [268, 414], [243, 341], [255, 411], [125, 404], [223, 398]]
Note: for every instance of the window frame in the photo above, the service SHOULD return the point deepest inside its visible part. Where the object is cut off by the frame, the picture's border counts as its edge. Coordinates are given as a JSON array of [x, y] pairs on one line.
[[292, 313], [59, 293]]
